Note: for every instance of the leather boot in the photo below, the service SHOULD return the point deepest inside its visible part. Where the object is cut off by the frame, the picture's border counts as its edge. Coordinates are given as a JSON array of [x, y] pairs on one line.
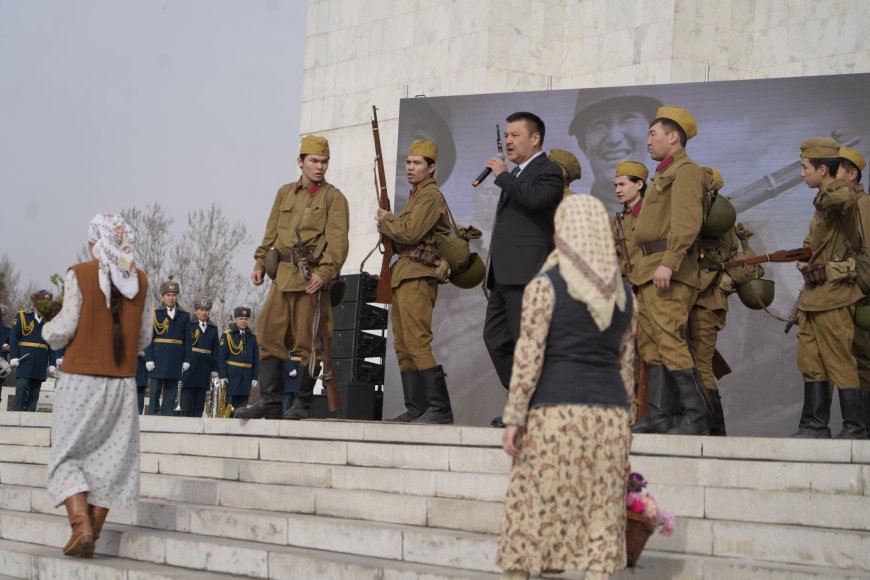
[[660, 395], [435, 385], [816, 412], [304, 394], [717, 417], [98, 518], [415, 397], [694, 420], [269, 405], [854, 426], [82, 538], [865, 405]]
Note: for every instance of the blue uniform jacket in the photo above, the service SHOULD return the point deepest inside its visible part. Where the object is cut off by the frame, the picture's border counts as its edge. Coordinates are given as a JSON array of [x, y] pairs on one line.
[[202, 354], [169, 345], [239, 361], [5, 331], [294, 362], [26, 338]]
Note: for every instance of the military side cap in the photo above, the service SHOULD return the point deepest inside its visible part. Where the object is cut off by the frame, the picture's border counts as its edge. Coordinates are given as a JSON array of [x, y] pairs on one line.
[[854, 157], [820, 148], [202, 303], [42, 295], [567, 161], [170, 287], [314, 145], [632, 169], [681, 117], [425, 148], [242, 312], [714, 177]]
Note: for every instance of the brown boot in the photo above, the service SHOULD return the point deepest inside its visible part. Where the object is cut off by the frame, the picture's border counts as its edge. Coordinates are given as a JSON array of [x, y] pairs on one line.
[[98, 517], [82, 538]]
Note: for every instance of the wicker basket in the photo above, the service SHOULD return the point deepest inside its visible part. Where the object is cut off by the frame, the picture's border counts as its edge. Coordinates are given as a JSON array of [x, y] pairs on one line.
[[638, 529]]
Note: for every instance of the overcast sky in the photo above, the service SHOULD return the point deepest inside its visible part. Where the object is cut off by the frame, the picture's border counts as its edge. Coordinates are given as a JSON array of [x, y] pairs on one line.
[[108, 104]]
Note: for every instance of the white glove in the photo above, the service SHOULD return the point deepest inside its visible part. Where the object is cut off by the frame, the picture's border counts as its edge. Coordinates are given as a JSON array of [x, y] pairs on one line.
[[224, 382], [52, 369], [254, 383], [185, 366], [214, 375], [59, 361], [149, 366], [13, 362], [292, 374]]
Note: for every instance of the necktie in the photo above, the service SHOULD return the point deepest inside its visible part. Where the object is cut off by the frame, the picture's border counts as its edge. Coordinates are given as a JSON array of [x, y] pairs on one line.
[[515, 171]]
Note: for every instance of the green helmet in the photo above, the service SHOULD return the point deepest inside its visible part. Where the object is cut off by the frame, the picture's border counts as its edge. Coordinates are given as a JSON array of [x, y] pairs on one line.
[[862, 316], [472, 275], [720, 218], [756, 294]]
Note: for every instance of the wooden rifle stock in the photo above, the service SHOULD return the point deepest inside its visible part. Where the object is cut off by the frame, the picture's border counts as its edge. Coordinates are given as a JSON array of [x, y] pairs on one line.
[[384, 293], [623, 246], [796, 255]]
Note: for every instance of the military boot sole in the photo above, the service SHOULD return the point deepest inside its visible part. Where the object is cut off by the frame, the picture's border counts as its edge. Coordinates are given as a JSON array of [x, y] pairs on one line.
[[261, 413], [812, 434], [403, 418], [434, 420], [660, 426]]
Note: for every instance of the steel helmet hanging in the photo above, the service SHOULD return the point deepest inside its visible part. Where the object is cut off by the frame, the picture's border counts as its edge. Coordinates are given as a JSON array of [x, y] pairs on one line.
[[757, 293], [721, 217], [472, 275]]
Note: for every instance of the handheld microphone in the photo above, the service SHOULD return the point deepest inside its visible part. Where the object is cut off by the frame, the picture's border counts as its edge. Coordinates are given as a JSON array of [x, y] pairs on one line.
[[485, 173]]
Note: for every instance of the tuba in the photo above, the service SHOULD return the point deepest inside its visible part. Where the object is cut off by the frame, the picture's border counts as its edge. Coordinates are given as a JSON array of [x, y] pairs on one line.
[[216, 401]]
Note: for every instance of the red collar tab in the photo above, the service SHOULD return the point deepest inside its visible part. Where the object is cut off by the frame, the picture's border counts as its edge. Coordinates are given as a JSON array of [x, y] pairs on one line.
[[663, 165], [636, 209], [312, 189]]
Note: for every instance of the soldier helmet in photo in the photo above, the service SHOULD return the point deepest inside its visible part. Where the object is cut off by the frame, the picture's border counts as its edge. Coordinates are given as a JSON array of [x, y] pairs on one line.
[[567, 161], [820, 148], [314, 145], [423, 148], [591, 109], [170, 287], [632, 169], [853, 157], [202, 303], [681, 117], [241, 312]]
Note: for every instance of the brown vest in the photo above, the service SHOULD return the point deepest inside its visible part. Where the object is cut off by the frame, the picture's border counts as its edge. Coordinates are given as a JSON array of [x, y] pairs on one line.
[[90, 351]]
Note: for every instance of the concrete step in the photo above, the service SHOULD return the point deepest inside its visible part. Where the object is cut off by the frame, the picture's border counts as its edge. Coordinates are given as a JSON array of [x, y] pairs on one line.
[[217, 554]]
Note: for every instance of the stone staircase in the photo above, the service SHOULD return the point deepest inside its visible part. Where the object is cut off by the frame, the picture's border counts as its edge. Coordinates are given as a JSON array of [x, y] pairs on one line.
[[336, 499]]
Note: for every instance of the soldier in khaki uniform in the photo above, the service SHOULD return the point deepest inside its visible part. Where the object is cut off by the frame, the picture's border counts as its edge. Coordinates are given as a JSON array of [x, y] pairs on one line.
[[630, 185], [852, 164], [317, 211], [707, 317], [824, 351], [570, 165], [415, 287], [667, 275]]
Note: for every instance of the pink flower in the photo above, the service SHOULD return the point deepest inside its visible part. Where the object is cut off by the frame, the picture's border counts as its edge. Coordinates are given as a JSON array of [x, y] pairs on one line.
[[636, 506]]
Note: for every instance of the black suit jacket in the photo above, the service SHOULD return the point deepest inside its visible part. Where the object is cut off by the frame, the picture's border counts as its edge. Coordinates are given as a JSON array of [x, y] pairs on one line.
[[523, 234]]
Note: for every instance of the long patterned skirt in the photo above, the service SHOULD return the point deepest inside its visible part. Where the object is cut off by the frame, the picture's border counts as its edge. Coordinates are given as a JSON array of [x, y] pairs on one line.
[[565, 505], [95, 441]]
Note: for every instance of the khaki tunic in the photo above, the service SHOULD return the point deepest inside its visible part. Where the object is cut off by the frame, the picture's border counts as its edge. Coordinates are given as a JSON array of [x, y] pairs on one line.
[[320, 212], [414, 286], [287, 320], [671, 211], [629, 220], [826, 330]]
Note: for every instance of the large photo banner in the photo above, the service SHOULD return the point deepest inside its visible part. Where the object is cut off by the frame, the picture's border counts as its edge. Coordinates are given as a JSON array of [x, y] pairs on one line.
[[750, 131]]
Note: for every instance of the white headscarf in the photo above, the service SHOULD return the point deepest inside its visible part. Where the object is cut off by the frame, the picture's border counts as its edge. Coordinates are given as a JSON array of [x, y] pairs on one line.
[[586, 257], [113, 249]]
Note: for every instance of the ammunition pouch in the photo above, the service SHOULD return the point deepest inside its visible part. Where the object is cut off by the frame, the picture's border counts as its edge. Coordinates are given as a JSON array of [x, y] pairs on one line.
[[308, 254], [424, 254], [815, 274], [654, 247], [840, 272]]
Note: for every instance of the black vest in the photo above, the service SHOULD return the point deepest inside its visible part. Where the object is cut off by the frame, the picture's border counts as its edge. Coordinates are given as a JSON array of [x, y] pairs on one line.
[[581, 363]]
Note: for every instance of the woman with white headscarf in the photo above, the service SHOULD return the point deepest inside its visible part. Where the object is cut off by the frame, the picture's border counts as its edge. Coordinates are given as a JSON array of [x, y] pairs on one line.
[[95, 424], [567, 420]]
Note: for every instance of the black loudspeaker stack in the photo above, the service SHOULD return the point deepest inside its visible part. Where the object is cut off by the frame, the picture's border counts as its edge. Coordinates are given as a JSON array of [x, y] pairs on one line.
[[360, 380]]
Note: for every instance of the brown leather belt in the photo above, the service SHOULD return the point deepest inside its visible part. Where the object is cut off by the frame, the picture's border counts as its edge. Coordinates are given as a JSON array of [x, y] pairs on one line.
[[423, 253], [296, 255], [654, 247]]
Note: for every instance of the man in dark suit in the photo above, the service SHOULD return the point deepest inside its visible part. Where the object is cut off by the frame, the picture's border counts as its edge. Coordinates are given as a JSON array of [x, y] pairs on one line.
[[523, 234]]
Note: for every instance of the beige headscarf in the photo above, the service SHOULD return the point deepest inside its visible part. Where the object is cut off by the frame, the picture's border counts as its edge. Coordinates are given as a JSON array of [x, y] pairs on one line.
[[113, 248], [586, 257]]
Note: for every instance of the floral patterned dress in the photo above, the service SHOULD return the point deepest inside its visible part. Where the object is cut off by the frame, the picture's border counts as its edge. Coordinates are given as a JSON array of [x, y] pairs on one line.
[[565, 505]]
